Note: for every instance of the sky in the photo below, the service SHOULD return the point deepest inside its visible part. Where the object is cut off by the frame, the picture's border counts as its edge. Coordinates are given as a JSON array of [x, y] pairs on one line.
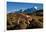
[[16, 6]]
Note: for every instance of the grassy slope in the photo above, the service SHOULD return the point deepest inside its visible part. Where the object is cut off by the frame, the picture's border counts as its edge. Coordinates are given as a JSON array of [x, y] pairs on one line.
[[37, 21]]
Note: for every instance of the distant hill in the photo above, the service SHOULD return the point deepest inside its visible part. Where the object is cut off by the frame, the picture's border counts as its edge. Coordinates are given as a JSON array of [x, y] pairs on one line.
[[38, 13], [29, 10]]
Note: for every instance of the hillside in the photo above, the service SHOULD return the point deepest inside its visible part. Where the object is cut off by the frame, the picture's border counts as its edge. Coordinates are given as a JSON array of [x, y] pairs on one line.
[[36, 22]]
